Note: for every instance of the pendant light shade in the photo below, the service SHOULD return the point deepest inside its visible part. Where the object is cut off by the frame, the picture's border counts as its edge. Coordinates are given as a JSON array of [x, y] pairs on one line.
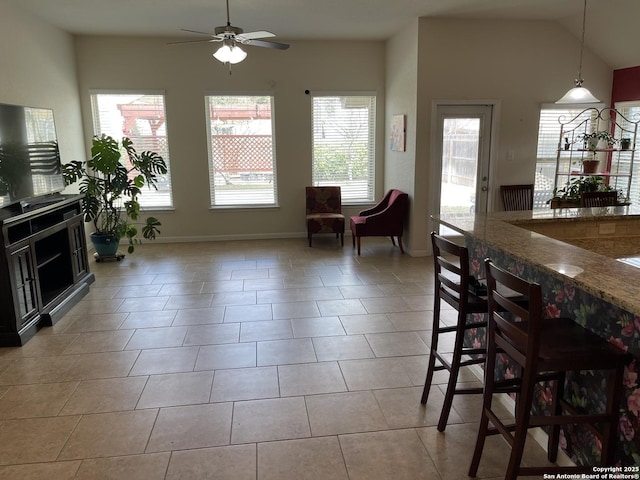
[[580, 94], [230, 53]]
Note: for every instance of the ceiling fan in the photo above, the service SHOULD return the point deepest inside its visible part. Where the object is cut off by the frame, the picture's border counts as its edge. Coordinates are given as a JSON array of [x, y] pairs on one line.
[[231, 37]]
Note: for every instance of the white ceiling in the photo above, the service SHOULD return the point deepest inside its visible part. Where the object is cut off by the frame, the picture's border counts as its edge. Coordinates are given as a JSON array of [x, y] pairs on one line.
[[612, 31]]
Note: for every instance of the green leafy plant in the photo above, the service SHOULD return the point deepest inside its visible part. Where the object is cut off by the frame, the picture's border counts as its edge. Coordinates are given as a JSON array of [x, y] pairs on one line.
[[111, 188], [573, 189], [591, 139]]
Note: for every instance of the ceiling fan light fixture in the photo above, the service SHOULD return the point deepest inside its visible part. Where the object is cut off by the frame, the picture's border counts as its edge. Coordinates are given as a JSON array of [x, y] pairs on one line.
[[230, 54], [580, 94]]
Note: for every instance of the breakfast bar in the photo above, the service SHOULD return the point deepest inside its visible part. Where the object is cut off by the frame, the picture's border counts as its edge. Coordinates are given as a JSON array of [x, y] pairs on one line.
[[587, 261]]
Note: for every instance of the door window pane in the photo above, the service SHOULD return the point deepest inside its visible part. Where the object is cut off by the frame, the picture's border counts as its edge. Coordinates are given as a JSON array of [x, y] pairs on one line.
[[460, 141]]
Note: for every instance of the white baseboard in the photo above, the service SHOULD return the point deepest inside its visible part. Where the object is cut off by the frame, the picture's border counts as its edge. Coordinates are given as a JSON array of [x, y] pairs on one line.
[[223, 238]]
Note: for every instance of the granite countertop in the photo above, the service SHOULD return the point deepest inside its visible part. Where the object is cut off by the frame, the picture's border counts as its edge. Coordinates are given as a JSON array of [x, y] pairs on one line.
[[604, 277]]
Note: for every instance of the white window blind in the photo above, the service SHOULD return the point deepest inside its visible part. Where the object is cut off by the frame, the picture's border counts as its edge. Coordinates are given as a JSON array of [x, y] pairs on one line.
[[344, 145], [241, 151], [548, 144], [141, 117], [630, 112]]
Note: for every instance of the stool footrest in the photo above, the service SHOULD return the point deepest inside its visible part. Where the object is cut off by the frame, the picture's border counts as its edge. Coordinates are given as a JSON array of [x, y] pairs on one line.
[[446, 363]]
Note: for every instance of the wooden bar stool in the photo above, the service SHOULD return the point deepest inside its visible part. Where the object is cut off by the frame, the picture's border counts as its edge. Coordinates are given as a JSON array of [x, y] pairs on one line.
[[551, 346], [451, 265], [517, 197]]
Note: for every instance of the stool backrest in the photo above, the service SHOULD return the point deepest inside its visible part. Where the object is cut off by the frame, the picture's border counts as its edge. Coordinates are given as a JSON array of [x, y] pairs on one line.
[[598, 199], [517, 197], [514, 328], [451, 264]]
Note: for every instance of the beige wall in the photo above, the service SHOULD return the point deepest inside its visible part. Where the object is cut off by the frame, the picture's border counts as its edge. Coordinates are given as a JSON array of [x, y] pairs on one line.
[[520, 66], [37, 69], [187, 72], [401, 99]]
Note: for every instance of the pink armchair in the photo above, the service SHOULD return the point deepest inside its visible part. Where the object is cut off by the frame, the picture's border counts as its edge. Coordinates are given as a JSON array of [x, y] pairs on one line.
[[386, 219], [324, 212]]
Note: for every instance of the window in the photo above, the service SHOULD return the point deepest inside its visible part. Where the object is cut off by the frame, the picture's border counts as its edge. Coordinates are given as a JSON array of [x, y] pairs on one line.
[[141, 117], [344, 145], [630, 112], [241, 159], [547, 152]]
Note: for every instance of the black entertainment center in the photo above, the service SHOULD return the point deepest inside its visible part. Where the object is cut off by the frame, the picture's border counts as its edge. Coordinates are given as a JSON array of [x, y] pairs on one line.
[[44, 269]]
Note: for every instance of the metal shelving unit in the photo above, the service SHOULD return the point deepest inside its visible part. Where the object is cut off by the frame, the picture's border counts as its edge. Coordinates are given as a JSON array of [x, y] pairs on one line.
[[615, 162]]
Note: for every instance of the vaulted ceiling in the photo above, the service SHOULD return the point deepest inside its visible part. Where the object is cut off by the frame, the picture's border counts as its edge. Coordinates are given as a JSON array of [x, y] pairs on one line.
[[612, 31]]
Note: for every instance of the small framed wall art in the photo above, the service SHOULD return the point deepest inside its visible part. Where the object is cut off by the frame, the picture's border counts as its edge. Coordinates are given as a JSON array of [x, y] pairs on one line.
[[397, 140]]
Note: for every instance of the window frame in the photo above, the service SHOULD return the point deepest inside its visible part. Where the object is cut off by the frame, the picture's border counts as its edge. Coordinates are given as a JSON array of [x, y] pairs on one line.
[[624, 107], [210, 163], [165, 153], [371, 134]]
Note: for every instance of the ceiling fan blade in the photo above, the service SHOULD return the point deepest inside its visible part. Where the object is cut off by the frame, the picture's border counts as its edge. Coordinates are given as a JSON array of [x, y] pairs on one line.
[[260, 34], [265, 43], [206, 40], [196, 31]]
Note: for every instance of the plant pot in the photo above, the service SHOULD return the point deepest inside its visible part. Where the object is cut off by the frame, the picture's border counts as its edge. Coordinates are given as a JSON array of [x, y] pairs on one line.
[[591, 143], [590, 166], [625, 143], [565, 203], [105, 245]]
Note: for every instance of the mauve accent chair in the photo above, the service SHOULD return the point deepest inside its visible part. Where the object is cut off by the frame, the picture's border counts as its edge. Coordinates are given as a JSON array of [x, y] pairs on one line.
[[324, 212], [386, 219]]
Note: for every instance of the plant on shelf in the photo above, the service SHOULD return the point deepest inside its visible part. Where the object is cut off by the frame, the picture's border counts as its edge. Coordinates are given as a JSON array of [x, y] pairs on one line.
[[592, 139], [111, 189], [569, 195], [595, 142]]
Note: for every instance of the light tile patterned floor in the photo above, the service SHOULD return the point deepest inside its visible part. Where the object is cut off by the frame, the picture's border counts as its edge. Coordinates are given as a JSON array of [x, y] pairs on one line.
[[239, 360]]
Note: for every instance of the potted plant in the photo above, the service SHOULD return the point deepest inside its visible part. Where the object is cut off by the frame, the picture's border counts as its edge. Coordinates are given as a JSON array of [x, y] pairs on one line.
[[595, 142], [111, 191], [569, 195], [590, 140]]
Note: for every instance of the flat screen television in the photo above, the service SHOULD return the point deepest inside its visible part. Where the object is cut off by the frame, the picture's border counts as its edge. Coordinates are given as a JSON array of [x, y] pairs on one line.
[[30, 164]]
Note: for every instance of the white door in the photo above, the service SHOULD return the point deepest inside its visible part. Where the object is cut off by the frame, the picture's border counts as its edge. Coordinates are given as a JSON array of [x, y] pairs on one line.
[[463, 145]]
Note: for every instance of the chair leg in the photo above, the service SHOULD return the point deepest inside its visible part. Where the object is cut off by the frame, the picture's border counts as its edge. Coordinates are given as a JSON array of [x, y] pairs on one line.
[[557, 392], [393, 241], [453, 374], [487, 399], [342, 239], [432, 349], [309, 237], [477, 451], [358, 241], [610, 430], [522, 424], [400, 244]]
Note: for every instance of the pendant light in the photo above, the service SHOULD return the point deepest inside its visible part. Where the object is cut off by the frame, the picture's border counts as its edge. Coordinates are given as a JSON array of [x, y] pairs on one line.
[[580, 94]]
